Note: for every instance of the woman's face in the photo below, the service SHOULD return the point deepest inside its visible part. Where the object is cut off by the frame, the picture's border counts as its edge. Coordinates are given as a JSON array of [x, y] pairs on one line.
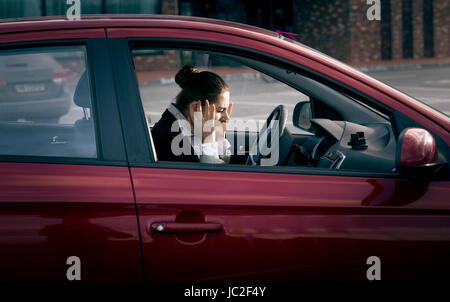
[[222, 105]]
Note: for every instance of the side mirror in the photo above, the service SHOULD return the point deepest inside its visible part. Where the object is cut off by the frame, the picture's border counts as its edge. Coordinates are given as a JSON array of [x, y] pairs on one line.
[[416, 152], [302, 115]]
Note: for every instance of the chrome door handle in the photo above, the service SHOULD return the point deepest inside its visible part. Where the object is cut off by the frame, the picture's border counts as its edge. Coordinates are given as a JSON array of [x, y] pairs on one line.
[[179, 227]]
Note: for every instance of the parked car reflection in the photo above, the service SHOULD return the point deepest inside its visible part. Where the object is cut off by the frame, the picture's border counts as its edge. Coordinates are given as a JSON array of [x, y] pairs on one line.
[[32, 88]]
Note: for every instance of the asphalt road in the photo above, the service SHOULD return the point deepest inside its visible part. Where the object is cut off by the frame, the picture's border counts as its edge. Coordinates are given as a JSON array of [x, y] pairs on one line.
[[429, 85]]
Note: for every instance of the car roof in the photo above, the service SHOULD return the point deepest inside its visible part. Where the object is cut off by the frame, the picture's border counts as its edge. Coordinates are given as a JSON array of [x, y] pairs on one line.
[[116, 20]]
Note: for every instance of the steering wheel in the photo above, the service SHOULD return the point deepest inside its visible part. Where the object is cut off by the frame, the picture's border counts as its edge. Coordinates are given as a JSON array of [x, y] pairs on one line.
[[265, 150]]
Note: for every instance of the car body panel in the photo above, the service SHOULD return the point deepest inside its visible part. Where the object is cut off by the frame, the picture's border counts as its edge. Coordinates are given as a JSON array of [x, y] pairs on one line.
[[49, 212], [287, 227], [52, 35], [64, 206]]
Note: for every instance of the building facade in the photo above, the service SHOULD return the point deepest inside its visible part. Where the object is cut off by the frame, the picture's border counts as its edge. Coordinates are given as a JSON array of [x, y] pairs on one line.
[[407, 29]]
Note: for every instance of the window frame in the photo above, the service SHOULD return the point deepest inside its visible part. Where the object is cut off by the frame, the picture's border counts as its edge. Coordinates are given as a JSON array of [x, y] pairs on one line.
[[146, 159], [109, 142]]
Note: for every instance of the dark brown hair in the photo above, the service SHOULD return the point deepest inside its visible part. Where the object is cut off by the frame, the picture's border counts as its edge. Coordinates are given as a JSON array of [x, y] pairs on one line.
[[198, 86]]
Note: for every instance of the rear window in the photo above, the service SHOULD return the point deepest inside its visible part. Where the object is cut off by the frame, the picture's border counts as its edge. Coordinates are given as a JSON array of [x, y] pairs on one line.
[[45, 103]]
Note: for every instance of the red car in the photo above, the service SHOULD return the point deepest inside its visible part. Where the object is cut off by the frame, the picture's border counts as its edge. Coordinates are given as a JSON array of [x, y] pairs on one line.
[[361, 170]]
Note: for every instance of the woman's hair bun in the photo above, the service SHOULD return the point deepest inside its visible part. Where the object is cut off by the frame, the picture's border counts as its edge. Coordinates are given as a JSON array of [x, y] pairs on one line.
[[185, 74]]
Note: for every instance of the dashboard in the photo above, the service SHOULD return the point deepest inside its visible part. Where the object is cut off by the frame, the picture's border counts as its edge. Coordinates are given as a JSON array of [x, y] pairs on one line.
[[346, 145]]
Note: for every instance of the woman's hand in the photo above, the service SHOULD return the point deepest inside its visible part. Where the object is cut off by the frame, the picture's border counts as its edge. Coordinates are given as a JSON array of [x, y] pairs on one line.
[[221, 131], [207, 120], [213, 125]]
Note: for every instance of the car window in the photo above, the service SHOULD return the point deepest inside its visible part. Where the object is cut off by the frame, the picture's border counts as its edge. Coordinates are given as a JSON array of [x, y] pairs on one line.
[[45, 103], [251, 92], [319, 126]]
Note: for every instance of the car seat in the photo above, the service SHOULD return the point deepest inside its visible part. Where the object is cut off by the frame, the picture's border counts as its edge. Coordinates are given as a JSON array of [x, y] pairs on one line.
[[84, 132]]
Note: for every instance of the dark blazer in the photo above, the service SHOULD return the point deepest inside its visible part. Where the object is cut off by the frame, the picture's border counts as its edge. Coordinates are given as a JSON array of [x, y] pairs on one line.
[[162, 139]]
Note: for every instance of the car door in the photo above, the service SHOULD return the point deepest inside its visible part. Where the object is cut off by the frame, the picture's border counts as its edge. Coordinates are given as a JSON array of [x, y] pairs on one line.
[[203, 222], [67, 209]]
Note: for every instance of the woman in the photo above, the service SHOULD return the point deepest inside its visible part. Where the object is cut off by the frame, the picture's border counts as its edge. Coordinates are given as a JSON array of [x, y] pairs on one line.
[[193, 128]]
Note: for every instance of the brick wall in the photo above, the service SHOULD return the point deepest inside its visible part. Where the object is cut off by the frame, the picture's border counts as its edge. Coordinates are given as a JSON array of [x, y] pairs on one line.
[[168, 60], [323, 25], [340, 28], [365, 36], [417, 17], [169, 7], [396, 29], [441, 22]]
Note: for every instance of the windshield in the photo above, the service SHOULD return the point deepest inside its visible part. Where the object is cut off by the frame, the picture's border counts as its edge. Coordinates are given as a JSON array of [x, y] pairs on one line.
[[426, 80]]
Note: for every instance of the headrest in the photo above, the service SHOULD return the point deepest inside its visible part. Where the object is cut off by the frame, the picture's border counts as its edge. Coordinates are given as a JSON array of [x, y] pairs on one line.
[[82, 95]]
